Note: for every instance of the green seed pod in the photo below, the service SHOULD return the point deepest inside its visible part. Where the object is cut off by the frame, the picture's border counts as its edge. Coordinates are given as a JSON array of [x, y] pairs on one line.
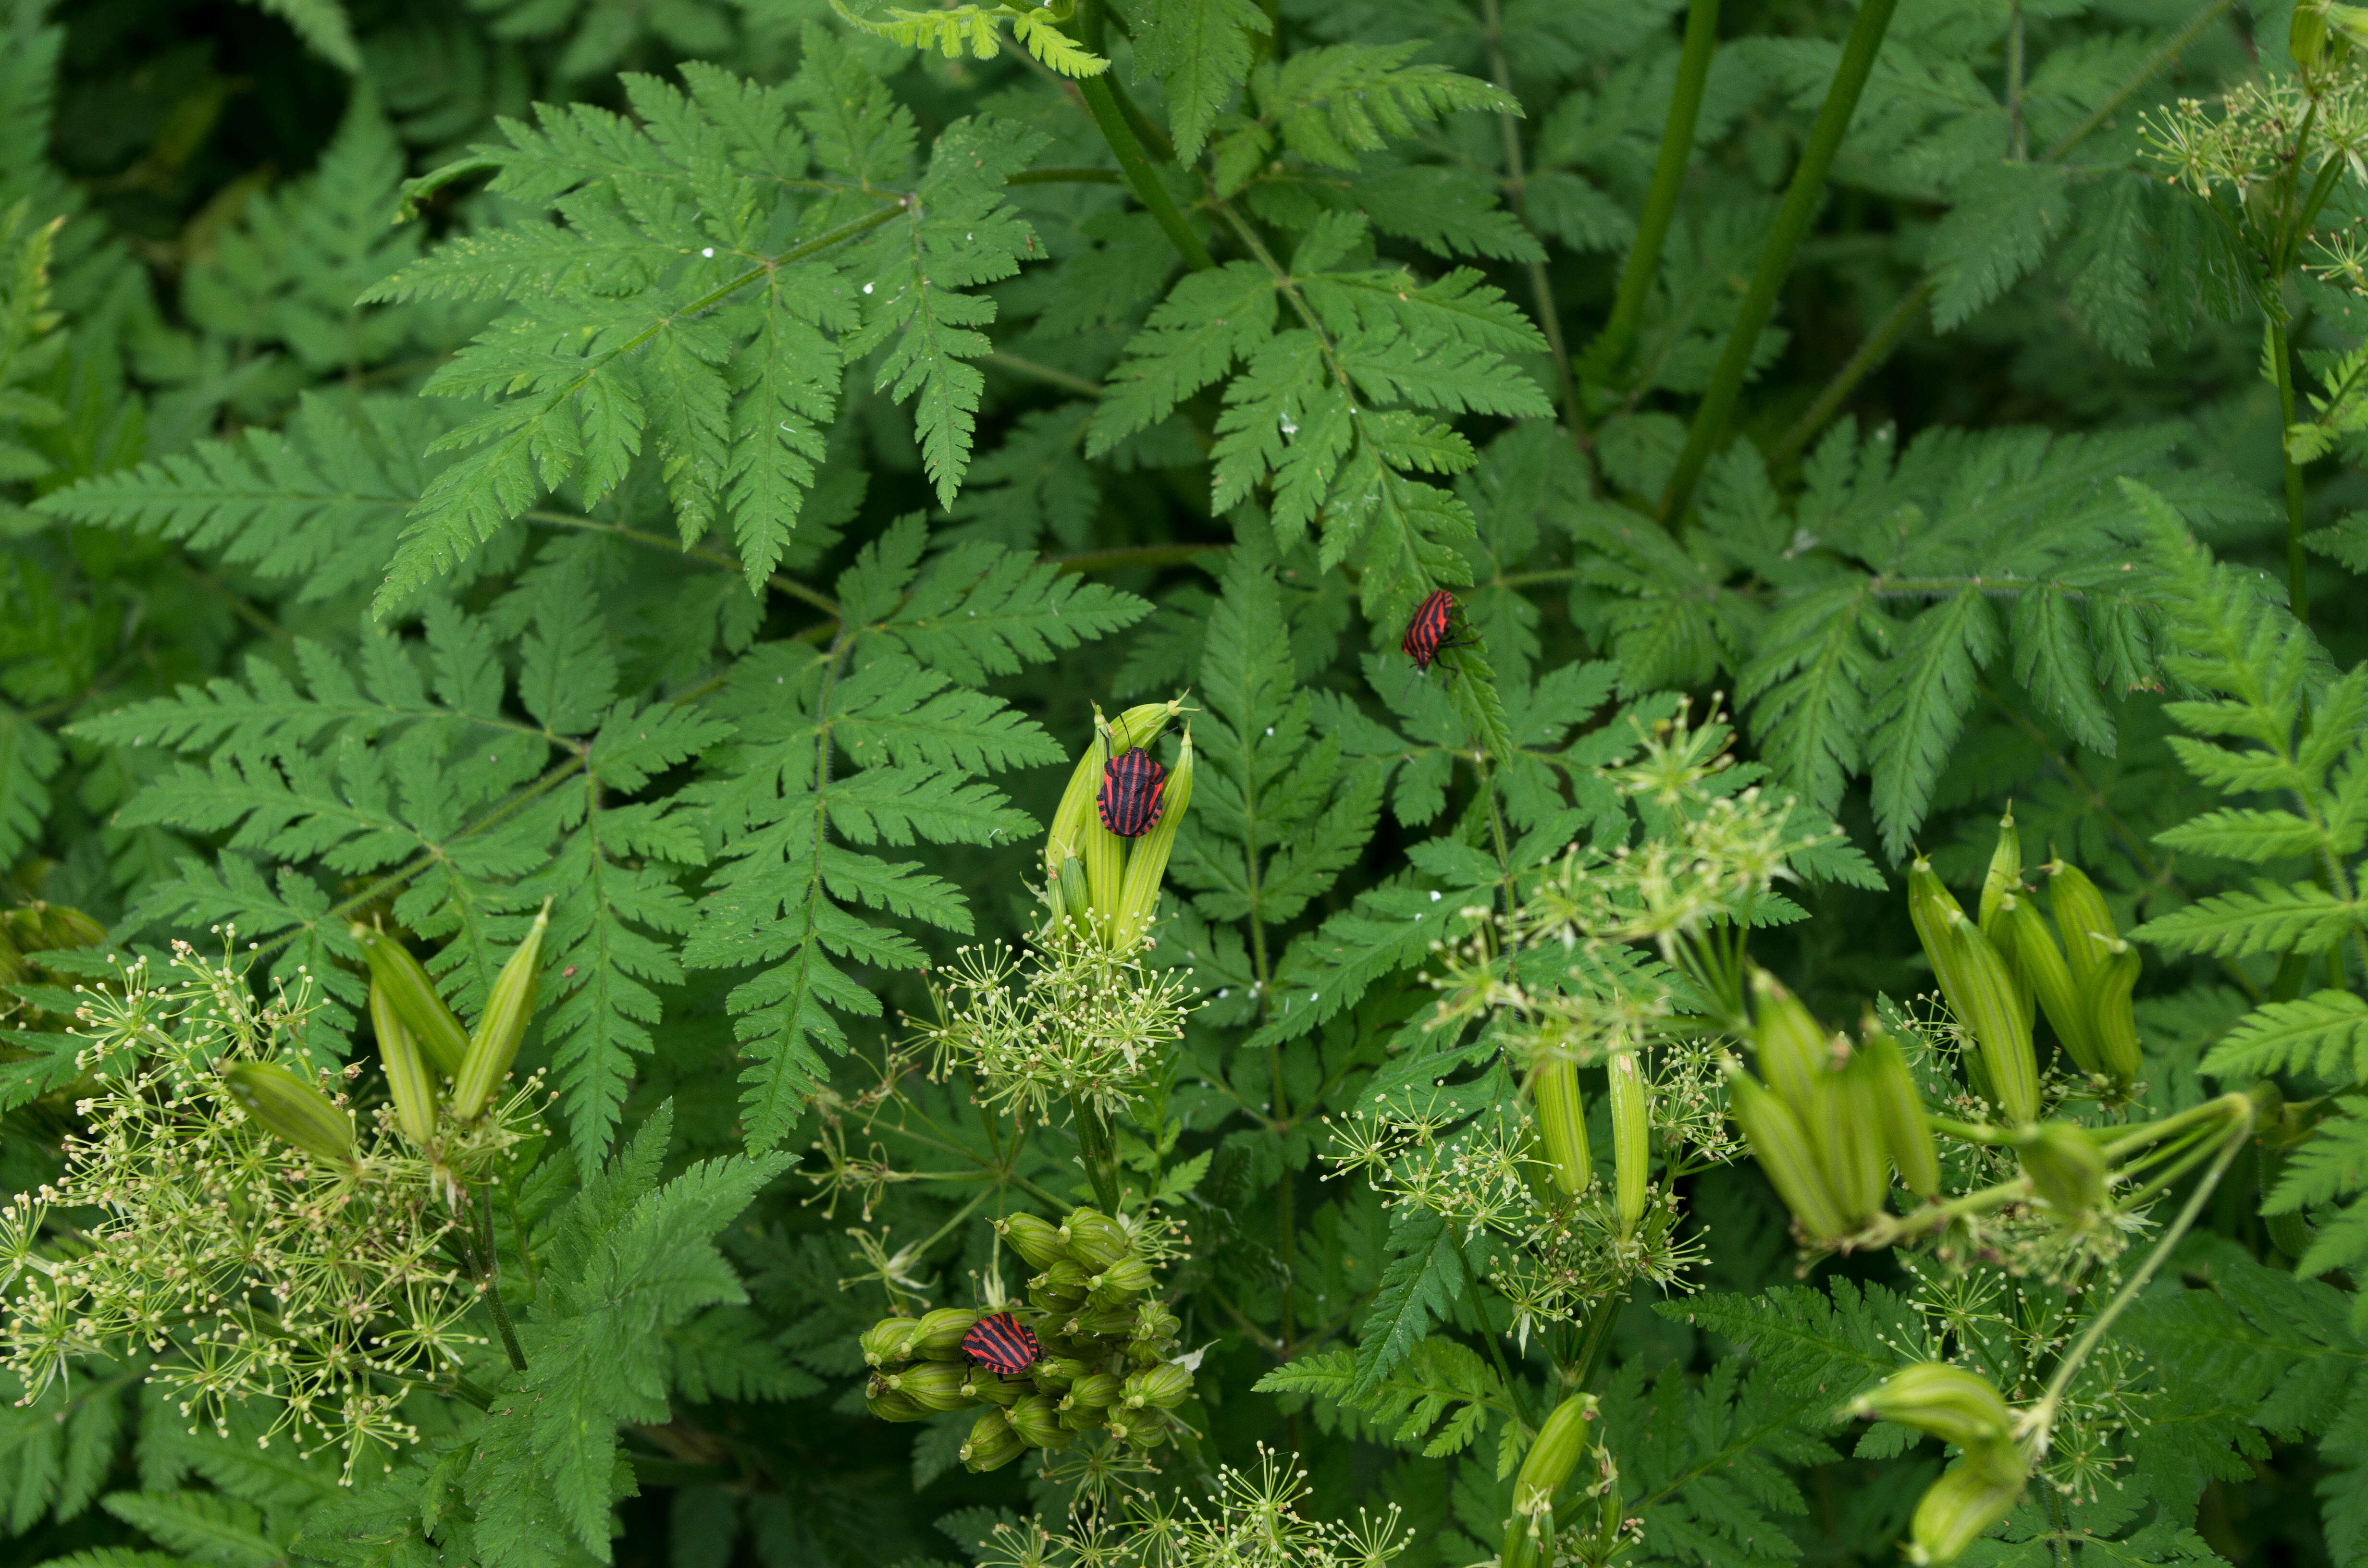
[[1166, 1385], [1055, 1373], [1632, 1150], [414, 997], [1127, 1277], [292, 1110], [889, 1342], [1096, 1389], [1781, 1145], [65, 927], [1078, 1417], [1037, 1241], [1929, 905], [992, 1444], [1847, 1134], [2112, 1021], [501, 1027], [1981, 993], [982, 1386], [890, 1405], [1138, 726], [1942, 1401], [2042, 966], [2002, 880], [2307, 39], [1561, 1125], [1553, 1455], [1076, 898], [1146, 863], [410, 1083], [1055, 1303], [1039, 1425], [2081, 918], [932, 1385], [1143, 1432], [1793, 1047], [941, 1334], [1972, 1494], [1900, 1110], [1065, 1277], [1094, 1238], [2065, 1167]]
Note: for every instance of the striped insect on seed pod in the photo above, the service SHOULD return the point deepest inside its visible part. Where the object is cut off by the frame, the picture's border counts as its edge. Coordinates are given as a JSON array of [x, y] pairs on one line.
[[1002, 1344], [1132, 783], [1427, 635]]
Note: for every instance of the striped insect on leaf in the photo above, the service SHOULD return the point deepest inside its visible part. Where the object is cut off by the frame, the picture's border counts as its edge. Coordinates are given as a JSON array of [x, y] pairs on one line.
[[1431, 631]]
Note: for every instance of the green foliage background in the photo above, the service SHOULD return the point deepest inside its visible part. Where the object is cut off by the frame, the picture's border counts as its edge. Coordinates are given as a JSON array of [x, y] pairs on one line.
[[715, 505]]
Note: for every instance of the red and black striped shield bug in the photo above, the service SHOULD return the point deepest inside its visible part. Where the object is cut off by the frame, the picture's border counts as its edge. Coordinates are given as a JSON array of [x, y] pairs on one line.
[[1131, 785], [1003, 1344], [1427, 635]]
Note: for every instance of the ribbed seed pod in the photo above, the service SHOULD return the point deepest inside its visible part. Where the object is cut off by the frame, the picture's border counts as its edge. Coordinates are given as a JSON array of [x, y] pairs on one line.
[[1094, 1238], [889, 1342], [1632, 1152], [932, 1385], [63, 927], [1078, 1417], [2003, 879], [414, 997], [291, 1111], [1561, 1125], [1553, 1455], [1929, 904], [1057, 1372], [941, 1332], [890, 1405], [1065, 1277], [1143, 1431], [1972, 1494], [1781, 1145], [2081, 918], [1942, 1401], [992, 1387], [502, 1026], [1076, 897], [1054, 1304], [1849, 1137], [2042, 966], [1138, 726], [1981, 993], [1146, 862], [1900, 1110], [2112, 1019], [1127, 1277], [992, 1443], [1166, 1385], [1037, 1241], [1793, 1047], [2065, 1167], [1096, 1389], [410, 1082], [1038, 1425]]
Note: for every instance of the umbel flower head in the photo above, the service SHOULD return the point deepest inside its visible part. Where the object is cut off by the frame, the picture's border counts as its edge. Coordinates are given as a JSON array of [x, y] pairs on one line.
[[256, 1239]]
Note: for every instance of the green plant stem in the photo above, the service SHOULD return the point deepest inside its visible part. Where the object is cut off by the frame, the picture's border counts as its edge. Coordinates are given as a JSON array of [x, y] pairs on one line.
[[1066, 176], [1098, 1150], [489, 1275], [2297, 583], [1599, 1324], [1885, 337], [1792, 221], [1092, 34], [1140, 176], [1661, 199], [1516, 196], [2043, 1414], [1514, 1389]]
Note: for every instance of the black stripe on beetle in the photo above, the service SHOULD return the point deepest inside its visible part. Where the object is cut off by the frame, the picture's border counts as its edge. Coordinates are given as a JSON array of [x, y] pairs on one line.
[[1427, 635], [1131, 785], [1003, 1344]]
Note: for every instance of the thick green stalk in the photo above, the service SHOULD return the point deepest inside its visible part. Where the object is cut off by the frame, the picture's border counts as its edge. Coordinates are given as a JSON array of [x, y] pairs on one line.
[[1098, 1150], [2298, 583], [1661, 199], [1517, 198], [1887, 335], [1792, 221], [1140, 176]]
